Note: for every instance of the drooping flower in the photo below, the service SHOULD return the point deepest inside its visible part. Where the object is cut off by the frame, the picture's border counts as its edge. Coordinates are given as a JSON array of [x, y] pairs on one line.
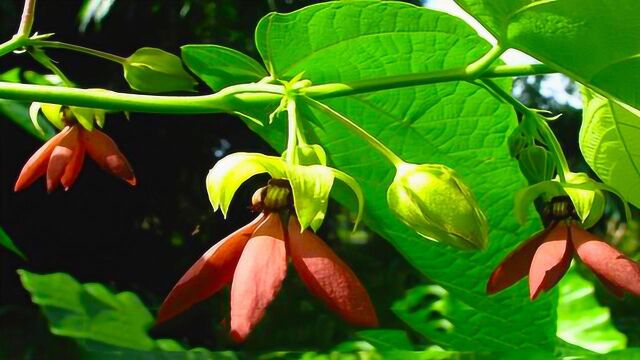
[[253, 260], [61, 158], [546, 257]]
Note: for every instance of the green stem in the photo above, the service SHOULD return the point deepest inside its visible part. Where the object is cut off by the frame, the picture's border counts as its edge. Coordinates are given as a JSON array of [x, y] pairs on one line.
[[360, 132], [292, 138], [332, 90], [26, 22], [479, 66], [227, 100], [546, 132], [77, 48], [12, 44]]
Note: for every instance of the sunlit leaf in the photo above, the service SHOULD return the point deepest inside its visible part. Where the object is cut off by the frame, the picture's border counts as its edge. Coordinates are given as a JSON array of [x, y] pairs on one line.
[[219, 66], [582, 321], [609, 141], [593, 41], [457, 124]]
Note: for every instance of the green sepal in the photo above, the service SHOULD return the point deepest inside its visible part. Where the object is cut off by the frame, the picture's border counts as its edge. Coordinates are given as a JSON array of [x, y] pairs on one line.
[[309, 155], [219, 66], [311, 186], [53, 113], [84, 116], [525, 197], [357, 191], [230, 172], [536, 164], [34, 110], [153, 70], [587, 200]]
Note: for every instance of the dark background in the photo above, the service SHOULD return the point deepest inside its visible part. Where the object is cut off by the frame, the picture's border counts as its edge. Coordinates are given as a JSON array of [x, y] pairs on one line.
[[142, 239]]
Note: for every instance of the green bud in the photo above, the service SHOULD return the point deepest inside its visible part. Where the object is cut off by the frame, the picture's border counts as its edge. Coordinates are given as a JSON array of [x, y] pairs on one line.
[[153, 70], [536, 164], [432, 200]]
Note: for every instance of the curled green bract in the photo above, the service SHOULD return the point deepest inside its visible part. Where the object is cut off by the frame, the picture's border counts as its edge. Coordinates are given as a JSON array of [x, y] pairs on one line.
[[432, 200], [310, 184], [56, 114]]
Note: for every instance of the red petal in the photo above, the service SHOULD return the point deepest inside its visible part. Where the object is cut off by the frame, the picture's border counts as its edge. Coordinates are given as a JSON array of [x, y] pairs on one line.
[[36, 166], [61, 157], [551, 261], [209, 274], [104, 151], [614, 289], [73, 169], [329, 278], [258, 277], [515, 266], [606, 261]]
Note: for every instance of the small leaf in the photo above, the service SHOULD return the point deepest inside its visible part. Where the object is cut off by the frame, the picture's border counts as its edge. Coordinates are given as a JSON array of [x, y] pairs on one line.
[[7, 243], [609, 142], [153, 70], [311, 186], [219, 66], [581, 319], [229, 173]]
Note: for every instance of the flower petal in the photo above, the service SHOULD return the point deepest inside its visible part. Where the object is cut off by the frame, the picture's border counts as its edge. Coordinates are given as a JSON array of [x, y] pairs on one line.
[[516, 265], [61, 156], [551, 261], [209, 274], [36, 166], [104, 151], [258, 276], [606, 261], [329, 278], [72, 170]]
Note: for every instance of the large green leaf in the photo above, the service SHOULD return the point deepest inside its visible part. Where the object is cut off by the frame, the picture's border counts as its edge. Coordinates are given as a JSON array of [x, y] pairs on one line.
[[610, 143], [593, 41], [457, 124], [582, 321]]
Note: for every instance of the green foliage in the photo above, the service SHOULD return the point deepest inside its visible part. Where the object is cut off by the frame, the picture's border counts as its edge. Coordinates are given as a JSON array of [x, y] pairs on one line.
[[609, 142], [91, 311], [7, 243], [220, 67], [581, 320], [387, 339], [93, 11], [423, 124], [154, 71], [593, 41]]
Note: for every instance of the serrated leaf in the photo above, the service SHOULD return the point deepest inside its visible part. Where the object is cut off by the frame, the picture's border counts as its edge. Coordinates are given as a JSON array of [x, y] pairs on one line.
[[581, 319], [219, 66], [311, 186], [593, 41], [609, 142], [456, 124]]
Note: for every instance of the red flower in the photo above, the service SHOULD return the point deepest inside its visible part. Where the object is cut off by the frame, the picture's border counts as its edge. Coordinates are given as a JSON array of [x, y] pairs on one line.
[[547, 256], [61, 158], [254, 261]]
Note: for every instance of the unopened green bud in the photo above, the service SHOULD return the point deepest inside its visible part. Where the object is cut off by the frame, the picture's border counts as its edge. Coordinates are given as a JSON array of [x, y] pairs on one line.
[[153, 70], [536, 164], [432, 200]]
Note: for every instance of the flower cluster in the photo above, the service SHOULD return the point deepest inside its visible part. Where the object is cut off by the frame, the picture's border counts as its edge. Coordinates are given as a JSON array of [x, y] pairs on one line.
[[253, 260], [546, 257]]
